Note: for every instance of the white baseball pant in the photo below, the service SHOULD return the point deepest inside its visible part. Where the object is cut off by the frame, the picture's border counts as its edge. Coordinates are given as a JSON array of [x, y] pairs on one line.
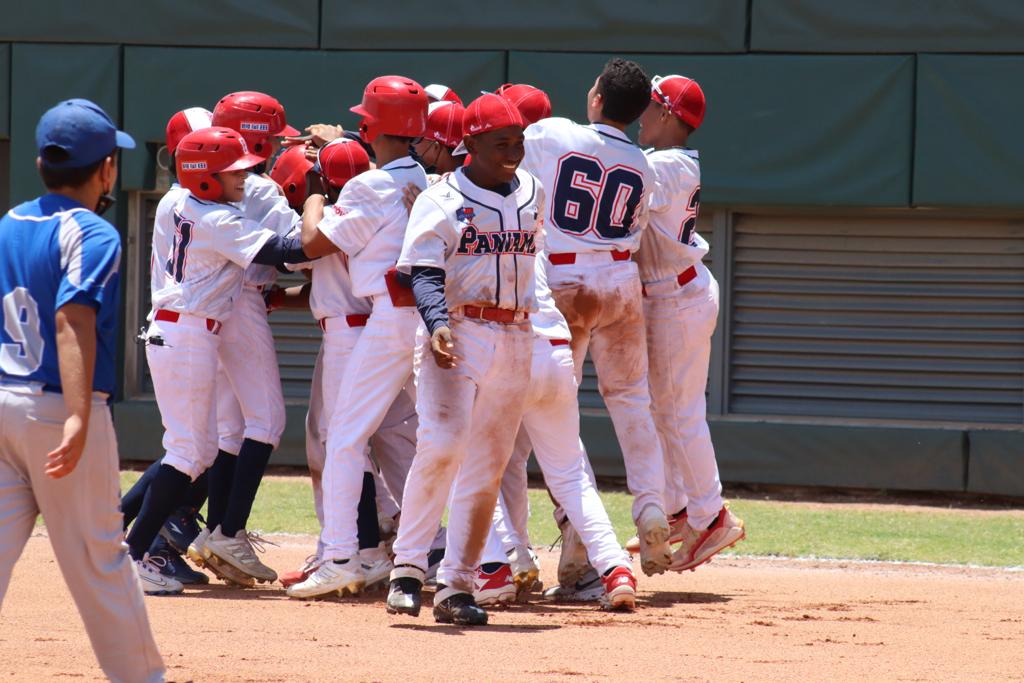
[[250, 402], [83, 522], [184, 372], [602, 303], [679, 331], [551, 423], [475, 406], [378, 369]]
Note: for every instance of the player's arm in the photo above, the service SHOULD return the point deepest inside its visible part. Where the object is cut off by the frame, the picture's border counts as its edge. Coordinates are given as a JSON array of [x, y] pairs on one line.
[[312, 239], [293, 298], [90, 257], [244, 242], [346, 226], [425, 252]]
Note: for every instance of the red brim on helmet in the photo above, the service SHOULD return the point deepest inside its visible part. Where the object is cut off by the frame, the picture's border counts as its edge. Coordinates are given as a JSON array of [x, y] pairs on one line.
[[288, 130], [244, 162], [359, 109]]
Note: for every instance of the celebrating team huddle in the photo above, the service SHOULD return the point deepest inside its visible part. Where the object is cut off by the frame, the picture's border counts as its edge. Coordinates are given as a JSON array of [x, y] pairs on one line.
[[462, 262]]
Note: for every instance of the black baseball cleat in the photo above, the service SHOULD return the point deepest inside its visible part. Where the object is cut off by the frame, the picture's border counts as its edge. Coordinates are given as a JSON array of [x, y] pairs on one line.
[[181, 528], [460, 609], [404, 597]]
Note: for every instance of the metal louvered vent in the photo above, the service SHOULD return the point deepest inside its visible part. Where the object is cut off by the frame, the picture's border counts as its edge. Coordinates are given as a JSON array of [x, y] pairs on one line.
[[891, 318]]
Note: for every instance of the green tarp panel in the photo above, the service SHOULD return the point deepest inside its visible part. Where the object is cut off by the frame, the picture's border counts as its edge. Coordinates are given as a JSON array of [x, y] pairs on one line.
[[887, 26], [314, 86], [969, 150], [236, 23], [997, 462], [780, 130], [607, 25], [41, 76], [5, 91]]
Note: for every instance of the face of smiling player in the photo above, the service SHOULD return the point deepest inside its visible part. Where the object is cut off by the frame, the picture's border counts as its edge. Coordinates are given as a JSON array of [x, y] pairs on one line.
[[233, 184], [496, 155]]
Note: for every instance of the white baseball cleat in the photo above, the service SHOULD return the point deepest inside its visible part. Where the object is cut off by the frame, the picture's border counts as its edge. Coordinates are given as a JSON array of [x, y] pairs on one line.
[[332, 576], [376, 567], [677, 525], [525, 570], [653, 530], [238, 551], [222, 570], [152, 581], [589, 588], [572, 562]]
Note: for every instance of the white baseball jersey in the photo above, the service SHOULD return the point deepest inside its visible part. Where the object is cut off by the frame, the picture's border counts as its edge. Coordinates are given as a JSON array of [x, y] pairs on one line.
[[670, 243], [368, 222], [485, 242], [264, 204], [597, 182], [200, 250], [331, 294], [547, 321]]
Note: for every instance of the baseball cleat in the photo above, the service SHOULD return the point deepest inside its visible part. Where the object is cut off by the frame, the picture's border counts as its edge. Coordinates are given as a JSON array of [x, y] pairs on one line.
[[457, 608], [404, 597], [239, 552], [434, 558], [525, 570], [181, 528], [655, 552], [225, 572], [377, 571], [620, 589], [700, 546], [331, 577], [174, 565], [494, 587], [590, 588], [572, 562], [153, 582], [677, 527], [299, 575]]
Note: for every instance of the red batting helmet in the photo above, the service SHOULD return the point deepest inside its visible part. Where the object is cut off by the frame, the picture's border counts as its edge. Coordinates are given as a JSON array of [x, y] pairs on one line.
[[256, 116], [444, 123], [203, 153], [680, 95], [185, 122], [442, 93], [392, 105], [289, 172], [533, 103], [341, 160]]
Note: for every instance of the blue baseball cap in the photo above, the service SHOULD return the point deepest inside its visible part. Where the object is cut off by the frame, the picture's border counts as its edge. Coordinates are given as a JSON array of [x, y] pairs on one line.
[[83, 130]]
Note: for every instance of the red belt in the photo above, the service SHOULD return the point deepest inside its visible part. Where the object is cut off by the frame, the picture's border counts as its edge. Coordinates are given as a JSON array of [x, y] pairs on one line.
[[567, 259], [354, 320], [163, 315], [559, 342], [683, 278], [494, 315]]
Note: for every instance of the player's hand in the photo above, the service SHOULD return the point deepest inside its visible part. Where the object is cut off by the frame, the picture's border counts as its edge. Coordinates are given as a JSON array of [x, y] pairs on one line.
[[312, 152], [273, 298], [323, 133], [409, 194], [441, 345], [315, 201], [62, 460]]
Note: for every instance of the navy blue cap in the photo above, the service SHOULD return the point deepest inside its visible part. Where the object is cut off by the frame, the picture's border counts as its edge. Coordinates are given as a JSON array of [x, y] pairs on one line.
[[83, 130]]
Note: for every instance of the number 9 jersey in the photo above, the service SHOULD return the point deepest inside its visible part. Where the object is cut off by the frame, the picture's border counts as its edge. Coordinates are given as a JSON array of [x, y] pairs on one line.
[[597, 182]]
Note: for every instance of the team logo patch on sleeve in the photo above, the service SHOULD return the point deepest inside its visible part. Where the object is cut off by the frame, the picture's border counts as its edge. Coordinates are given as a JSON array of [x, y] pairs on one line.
[[476, 243], [465, 214]]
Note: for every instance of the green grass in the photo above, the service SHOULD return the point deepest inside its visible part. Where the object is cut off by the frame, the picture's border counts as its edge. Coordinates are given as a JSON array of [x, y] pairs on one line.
[[773, 528]]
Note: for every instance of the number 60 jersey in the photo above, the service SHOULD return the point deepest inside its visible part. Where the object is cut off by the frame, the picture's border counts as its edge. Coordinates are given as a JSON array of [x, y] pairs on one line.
[[598, 183], [200, 250]]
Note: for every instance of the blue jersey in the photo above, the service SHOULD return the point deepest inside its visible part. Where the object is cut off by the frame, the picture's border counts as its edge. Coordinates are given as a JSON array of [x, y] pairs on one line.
[[53, 252]]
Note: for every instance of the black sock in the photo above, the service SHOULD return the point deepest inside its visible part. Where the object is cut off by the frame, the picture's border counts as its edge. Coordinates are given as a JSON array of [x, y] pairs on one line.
[[197, 492], [491, 567], [220, 478], [131, 502], [164, 494], [252, 462], [366, 521]]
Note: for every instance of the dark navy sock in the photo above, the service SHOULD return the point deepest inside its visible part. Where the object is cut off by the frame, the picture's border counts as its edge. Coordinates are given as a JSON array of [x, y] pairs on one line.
[[366, 521], [220, 479], [131, 502], [252, 462], [491, 567], [164, 494], [196, 495]]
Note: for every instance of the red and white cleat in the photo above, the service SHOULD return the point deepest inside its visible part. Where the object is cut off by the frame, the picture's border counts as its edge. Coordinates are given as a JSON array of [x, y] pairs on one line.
[[700, 546], [619, 589], [495, 587]]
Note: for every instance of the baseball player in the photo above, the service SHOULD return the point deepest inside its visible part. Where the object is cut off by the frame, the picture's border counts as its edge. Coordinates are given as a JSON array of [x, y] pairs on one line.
[[250, 402], [436, 92], [342, 317], [368, 224], [532, 102], [58, 453], [289, 172], [470, 250], [201, 247], [443, 135], [599, 182], [681, 309]]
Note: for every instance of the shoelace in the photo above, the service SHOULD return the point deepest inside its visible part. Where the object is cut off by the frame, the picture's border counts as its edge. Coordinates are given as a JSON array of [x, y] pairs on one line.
[[155, 563], [258, 542]]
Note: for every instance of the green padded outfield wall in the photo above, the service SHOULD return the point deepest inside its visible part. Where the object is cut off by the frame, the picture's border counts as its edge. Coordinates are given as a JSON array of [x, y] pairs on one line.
[[5, 91]]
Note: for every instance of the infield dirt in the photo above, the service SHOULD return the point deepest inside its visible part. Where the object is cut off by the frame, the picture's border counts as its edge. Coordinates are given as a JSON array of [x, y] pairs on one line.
[[737, 619]]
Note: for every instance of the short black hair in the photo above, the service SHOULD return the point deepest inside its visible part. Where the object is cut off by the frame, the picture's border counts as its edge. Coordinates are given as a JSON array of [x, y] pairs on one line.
[[55, 178], [625, 90]]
